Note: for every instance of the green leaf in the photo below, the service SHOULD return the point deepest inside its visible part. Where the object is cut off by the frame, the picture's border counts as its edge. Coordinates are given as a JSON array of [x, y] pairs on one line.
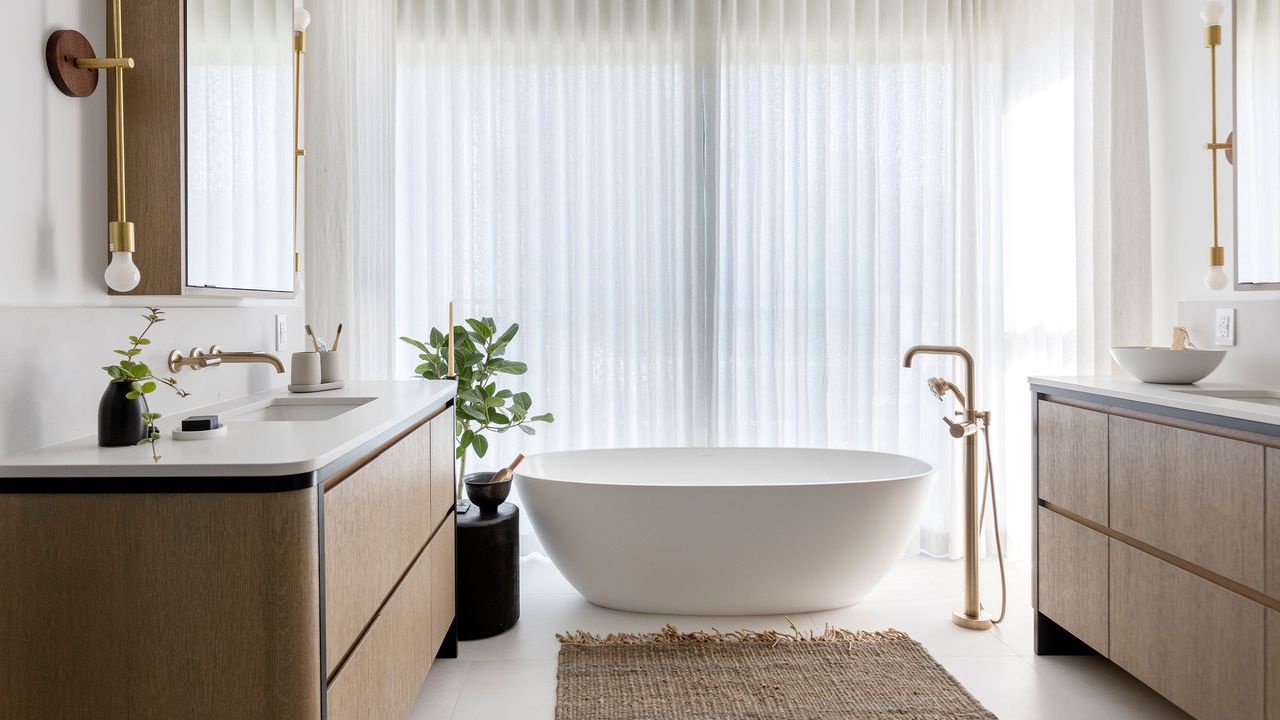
[[471, 412], [511, 367], [481, 445], [144, 341], [508, 334], [133, 394], [140, 370], [143, 441], [121, 352], [459, 452], [481, 329], [545, 417], [522, 400], [528, 430], [415, 343], [155, 436], [496, 416], [148, 387], [437, 338]]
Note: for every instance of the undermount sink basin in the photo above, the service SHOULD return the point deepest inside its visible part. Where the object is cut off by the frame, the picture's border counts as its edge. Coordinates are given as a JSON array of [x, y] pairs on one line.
[[1262, 397], [296, 409], [1167, 366]]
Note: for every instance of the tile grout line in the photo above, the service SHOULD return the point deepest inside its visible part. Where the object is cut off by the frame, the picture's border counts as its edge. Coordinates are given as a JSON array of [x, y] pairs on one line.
[[462, 685]]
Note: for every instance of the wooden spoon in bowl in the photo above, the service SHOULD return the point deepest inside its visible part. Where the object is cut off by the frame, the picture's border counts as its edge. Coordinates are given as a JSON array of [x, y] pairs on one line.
[[505, 472]]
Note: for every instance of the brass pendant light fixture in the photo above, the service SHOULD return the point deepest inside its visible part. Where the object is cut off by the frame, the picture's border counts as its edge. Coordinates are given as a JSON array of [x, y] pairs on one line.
[[74, 70]]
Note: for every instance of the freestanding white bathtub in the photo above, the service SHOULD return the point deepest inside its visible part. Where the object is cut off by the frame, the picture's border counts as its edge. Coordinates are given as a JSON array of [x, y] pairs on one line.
[[723, 531]]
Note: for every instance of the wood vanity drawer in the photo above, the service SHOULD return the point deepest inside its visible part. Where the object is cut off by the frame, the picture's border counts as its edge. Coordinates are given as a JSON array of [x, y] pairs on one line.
[[442, 480], [1192, 641], [382, 677], [375, 522], [1197, 496], [1273, 528], [1072, 459], [1072, 572]]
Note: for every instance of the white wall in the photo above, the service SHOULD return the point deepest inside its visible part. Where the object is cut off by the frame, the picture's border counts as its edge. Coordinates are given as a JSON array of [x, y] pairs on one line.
[[57, 323], [1178, 92]]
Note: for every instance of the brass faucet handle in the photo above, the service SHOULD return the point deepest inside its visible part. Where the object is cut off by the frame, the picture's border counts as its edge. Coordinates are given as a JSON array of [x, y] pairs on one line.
[[196, 360], [964, 428]]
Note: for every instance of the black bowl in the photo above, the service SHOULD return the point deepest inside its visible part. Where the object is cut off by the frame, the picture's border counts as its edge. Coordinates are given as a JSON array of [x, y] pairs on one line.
[[484, 494]]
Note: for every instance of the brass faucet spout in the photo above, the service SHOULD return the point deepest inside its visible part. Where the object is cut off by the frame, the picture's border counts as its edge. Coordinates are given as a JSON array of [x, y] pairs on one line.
[[199, 359], [953, 350]]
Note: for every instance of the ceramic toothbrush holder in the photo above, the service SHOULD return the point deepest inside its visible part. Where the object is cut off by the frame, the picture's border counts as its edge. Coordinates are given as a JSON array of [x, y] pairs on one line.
[[330, 367], [306, 369]]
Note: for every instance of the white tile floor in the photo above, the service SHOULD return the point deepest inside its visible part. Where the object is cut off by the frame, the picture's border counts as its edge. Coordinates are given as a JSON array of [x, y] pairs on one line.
[[513, 675]]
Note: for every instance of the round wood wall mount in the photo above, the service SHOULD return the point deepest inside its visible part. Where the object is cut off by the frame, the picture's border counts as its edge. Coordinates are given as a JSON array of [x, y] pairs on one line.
[[60, 54]]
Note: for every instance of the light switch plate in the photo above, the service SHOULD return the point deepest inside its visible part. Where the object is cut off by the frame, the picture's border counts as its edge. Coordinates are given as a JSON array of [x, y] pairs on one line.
[[282, 332], [1224, 327]]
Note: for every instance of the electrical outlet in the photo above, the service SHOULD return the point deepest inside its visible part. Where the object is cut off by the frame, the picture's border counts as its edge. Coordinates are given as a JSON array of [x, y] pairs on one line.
[[282, 333], [1224, 328]]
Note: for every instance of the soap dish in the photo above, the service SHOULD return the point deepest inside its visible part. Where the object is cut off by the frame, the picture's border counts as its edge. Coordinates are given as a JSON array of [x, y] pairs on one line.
[[217, 432], [317, 388]]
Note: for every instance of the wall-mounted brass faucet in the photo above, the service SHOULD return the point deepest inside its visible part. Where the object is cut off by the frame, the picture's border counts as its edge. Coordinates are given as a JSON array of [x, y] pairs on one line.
[[198, 359]]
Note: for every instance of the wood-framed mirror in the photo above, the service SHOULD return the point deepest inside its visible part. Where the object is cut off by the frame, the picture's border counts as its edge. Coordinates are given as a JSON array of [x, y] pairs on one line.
[[210, 146]]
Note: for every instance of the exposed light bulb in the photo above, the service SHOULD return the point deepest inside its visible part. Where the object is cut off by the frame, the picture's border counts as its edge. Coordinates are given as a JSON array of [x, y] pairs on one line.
[[1211, 13], [302, 18], [1216, 278], [122, 275]]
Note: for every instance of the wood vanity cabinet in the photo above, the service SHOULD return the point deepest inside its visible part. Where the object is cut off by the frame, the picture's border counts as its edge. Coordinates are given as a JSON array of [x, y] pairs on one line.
[[321, 595], [389, 548], [1156, 546]]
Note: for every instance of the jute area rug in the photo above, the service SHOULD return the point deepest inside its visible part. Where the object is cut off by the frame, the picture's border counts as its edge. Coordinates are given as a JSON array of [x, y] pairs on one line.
[[750, 675]]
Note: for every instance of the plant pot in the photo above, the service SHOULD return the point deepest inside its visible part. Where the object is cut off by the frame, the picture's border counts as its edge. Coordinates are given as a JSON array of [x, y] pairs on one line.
[[119, 417], [484, 494]]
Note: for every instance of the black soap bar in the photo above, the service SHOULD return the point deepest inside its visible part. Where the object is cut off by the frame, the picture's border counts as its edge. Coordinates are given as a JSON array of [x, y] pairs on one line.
[[200, 422]]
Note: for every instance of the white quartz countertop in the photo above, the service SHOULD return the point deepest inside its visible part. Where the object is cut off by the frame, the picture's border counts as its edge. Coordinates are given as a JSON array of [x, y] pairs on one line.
[[248, 448], [1181, 397]]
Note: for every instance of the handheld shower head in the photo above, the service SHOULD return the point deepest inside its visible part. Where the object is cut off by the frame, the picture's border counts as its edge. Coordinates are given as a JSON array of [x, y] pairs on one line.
[[940, 387]]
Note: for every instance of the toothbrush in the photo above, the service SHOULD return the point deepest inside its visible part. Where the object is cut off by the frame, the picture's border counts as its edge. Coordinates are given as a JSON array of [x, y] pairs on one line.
[[314, 342], [336, 337]]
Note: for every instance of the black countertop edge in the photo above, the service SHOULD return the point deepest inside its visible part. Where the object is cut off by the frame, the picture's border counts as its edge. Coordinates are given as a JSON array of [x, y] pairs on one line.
[[211, 483], [1204, 418]]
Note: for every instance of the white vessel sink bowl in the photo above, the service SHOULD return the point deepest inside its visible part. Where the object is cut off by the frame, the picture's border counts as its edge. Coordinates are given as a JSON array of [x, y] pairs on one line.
[[296, 409], [1262, 397], [1168, 366]]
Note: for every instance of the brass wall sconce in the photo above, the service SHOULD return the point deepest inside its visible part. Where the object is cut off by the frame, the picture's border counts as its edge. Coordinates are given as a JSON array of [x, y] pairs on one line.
[[74, 70], [1216, 278], [301, 20]]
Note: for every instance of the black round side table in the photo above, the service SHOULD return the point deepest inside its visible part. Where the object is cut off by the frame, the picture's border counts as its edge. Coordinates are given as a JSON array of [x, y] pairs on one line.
[[488, 600]]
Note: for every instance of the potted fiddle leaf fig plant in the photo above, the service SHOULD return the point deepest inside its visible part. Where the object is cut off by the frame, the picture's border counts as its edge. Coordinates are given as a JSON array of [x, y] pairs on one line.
[[482, 407], [124, 415]]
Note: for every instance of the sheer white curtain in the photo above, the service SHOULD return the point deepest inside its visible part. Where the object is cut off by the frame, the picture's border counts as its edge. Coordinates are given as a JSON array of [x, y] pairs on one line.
[[722, 222]]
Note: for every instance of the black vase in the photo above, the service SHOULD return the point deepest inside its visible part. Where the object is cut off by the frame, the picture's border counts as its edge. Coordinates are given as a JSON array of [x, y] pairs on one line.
[[119, 417]]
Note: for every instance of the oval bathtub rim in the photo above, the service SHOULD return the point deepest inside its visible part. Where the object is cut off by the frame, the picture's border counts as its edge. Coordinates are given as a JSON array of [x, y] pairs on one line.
[[929, 471]]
